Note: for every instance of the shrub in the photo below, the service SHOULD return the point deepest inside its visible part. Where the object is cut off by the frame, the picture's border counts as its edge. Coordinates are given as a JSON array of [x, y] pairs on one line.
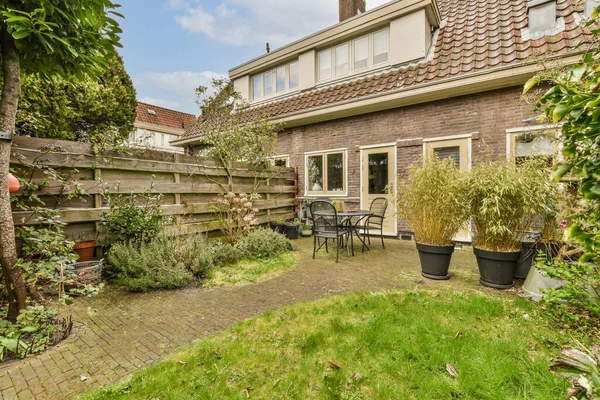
[[263, 243], [434, 201], [195, 253], [505, 200], [236, 214], [226, 254], [133, 220], [152, 265]]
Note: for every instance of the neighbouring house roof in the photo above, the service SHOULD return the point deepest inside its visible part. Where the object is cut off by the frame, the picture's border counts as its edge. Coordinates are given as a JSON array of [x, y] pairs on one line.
[[474, 36], [163, 117]]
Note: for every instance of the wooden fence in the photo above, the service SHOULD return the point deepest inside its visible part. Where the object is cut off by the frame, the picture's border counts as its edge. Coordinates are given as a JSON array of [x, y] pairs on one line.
[[189, 184]]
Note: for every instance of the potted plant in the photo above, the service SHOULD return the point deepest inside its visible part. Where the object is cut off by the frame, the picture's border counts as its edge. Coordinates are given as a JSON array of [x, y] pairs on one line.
[[505, 201], [278, 225], [434, 203], [85, 245], [292, 229], [306, 230]]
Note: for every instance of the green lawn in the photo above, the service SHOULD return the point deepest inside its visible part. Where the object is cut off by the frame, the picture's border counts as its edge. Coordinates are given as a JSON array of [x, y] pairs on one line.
[[387, 346], [251, 271]]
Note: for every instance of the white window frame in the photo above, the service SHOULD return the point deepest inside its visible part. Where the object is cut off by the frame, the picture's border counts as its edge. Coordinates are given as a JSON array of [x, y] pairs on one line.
[[325, 193], [372, 52], [351, 68], [274, 92], [512, 133]]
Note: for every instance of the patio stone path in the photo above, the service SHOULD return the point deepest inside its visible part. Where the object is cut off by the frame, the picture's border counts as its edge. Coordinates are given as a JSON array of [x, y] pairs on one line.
[[117, 332]]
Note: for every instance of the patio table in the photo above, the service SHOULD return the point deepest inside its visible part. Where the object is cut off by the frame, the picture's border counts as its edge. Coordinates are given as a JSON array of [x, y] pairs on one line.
[[347, 217]]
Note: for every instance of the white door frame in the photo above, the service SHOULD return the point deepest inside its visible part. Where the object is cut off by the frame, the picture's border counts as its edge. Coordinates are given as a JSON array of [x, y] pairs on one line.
[[391, 206]]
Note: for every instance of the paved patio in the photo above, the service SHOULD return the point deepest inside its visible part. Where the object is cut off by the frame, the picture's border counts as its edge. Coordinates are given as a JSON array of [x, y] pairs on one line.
[[119, 332]]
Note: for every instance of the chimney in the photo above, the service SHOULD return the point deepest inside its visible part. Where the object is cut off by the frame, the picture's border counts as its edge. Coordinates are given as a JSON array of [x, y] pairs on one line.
[[351, 8]]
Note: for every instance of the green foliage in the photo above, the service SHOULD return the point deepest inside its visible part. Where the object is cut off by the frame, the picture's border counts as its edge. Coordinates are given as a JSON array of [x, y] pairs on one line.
[[574, 101], [577, 301], [226, 254], [35, 330], [505, 200], [231, 131], [153, 265], [65, 37], [263, 243], [236, 214], [100, 110], [434, 201], [582, 369], [134, 218]]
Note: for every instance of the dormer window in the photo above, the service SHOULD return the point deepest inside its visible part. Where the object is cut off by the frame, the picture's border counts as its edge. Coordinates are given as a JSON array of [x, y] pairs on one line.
[[354, 56], [542, 20], [276, 81]]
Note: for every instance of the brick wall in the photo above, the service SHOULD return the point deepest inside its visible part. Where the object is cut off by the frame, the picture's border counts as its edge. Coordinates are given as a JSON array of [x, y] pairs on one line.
[[489, 114]]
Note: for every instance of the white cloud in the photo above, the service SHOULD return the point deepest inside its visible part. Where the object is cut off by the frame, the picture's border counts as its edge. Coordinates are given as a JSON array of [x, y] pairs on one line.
[[176, 4], [252, 22], [161, 103]]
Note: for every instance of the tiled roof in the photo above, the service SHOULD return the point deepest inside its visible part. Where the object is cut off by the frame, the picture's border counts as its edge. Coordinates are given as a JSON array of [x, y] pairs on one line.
[[475, 35], [155, 115]]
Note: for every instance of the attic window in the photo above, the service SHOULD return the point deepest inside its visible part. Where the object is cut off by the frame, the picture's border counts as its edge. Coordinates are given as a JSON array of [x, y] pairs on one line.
[[542, 19], [151, 111]]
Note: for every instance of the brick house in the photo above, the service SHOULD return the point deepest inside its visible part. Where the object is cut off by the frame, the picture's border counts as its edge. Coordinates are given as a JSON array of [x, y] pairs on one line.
[[155, 127], [366, 98]]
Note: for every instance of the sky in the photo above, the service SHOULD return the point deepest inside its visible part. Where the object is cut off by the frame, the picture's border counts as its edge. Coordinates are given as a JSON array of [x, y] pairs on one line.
[[170, 47]]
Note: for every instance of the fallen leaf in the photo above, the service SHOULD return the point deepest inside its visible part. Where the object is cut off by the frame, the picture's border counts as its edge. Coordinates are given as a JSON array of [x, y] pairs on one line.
[[526, 316], [276, 383], [332, 365], [182, 362], [451, 370], [83, 378], [354, 378], [458, 335]]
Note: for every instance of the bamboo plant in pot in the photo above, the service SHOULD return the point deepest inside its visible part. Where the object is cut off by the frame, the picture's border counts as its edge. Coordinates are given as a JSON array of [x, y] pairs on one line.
[[433, 201], [505, 201]]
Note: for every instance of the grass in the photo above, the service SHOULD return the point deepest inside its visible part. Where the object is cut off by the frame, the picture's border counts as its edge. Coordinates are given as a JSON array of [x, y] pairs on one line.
[[387, 346], [248, 271]]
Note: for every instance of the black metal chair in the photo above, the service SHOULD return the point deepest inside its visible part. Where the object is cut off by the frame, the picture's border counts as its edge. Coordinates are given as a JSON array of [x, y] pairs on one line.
[[327, 226], [374, 222]]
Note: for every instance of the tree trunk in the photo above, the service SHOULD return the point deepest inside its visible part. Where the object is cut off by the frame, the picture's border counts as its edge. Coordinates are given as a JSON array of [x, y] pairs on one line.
[[11, 70]]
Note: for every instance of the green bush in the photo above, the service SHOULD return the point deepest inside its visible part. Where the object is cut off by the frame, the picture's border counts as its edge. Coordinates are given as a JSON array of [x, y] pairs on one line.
[[226, 254], [142, 267], [195, 253], [263, 243]]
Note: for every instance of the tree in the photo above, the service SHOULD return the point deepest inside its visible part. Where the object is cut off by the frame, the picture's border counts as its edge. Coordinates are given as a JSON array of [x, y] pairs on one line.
[[96, 109], [574, 101], [231, 131], [70, 38]]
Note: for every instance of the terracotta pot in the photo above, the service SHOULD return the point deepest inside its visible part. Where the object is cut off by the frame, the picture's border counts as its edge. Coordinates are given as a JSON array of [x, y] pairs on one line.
[[85, 249]]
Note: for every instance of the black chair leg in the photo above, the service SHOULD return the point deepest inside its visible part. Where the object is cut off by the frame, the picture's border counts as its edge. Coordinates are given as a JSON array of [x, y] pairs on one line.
[[382, 244], [352, 242], [337, 251], [326, 246], [315, 246]]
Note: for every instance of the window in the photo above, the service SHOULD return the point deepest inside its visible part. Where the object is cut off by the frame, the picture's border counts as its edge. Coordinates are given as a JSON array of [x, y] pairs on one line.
[[533, 143], [268, 84], [381, 45], [354, 56], [342, 66], [325, 65], [452, 152], [326, 173], [361, 53], [280, 161], [293, 75], [256, 84], [275, 81], [280, 83]]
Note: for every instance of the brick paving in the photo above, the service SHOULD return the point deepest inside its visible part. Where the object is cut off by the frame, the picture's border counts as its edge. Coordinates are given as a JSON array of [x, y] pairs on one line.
[[117, 332]]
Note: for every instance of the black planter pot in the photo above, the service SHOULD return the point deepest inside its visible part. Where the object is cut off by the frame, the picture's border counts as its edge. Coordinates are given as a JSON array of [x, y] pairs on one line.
[[550, 249], [435, 261], [291, 231], [496, 268], [525, 261]]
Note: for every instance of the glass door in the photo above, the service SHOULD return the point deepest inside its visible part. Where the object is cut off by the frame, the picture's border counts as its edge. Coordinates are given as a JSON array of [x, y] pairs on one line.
[[379, 171]]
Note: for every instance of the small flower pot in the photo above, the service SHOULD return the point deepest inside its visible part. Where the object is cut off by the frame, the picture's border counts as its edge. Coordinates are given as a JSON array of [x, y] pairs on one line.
[[84, 249], [528, 254], [306, 233], [276, 227], [496, 268], [435, 261], [291, 231]]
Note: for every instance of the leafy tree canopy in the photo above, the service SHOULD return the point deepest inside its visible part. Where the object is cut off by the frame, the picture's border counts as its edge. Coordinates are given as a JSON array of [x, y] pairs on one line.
[[98, 110]]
